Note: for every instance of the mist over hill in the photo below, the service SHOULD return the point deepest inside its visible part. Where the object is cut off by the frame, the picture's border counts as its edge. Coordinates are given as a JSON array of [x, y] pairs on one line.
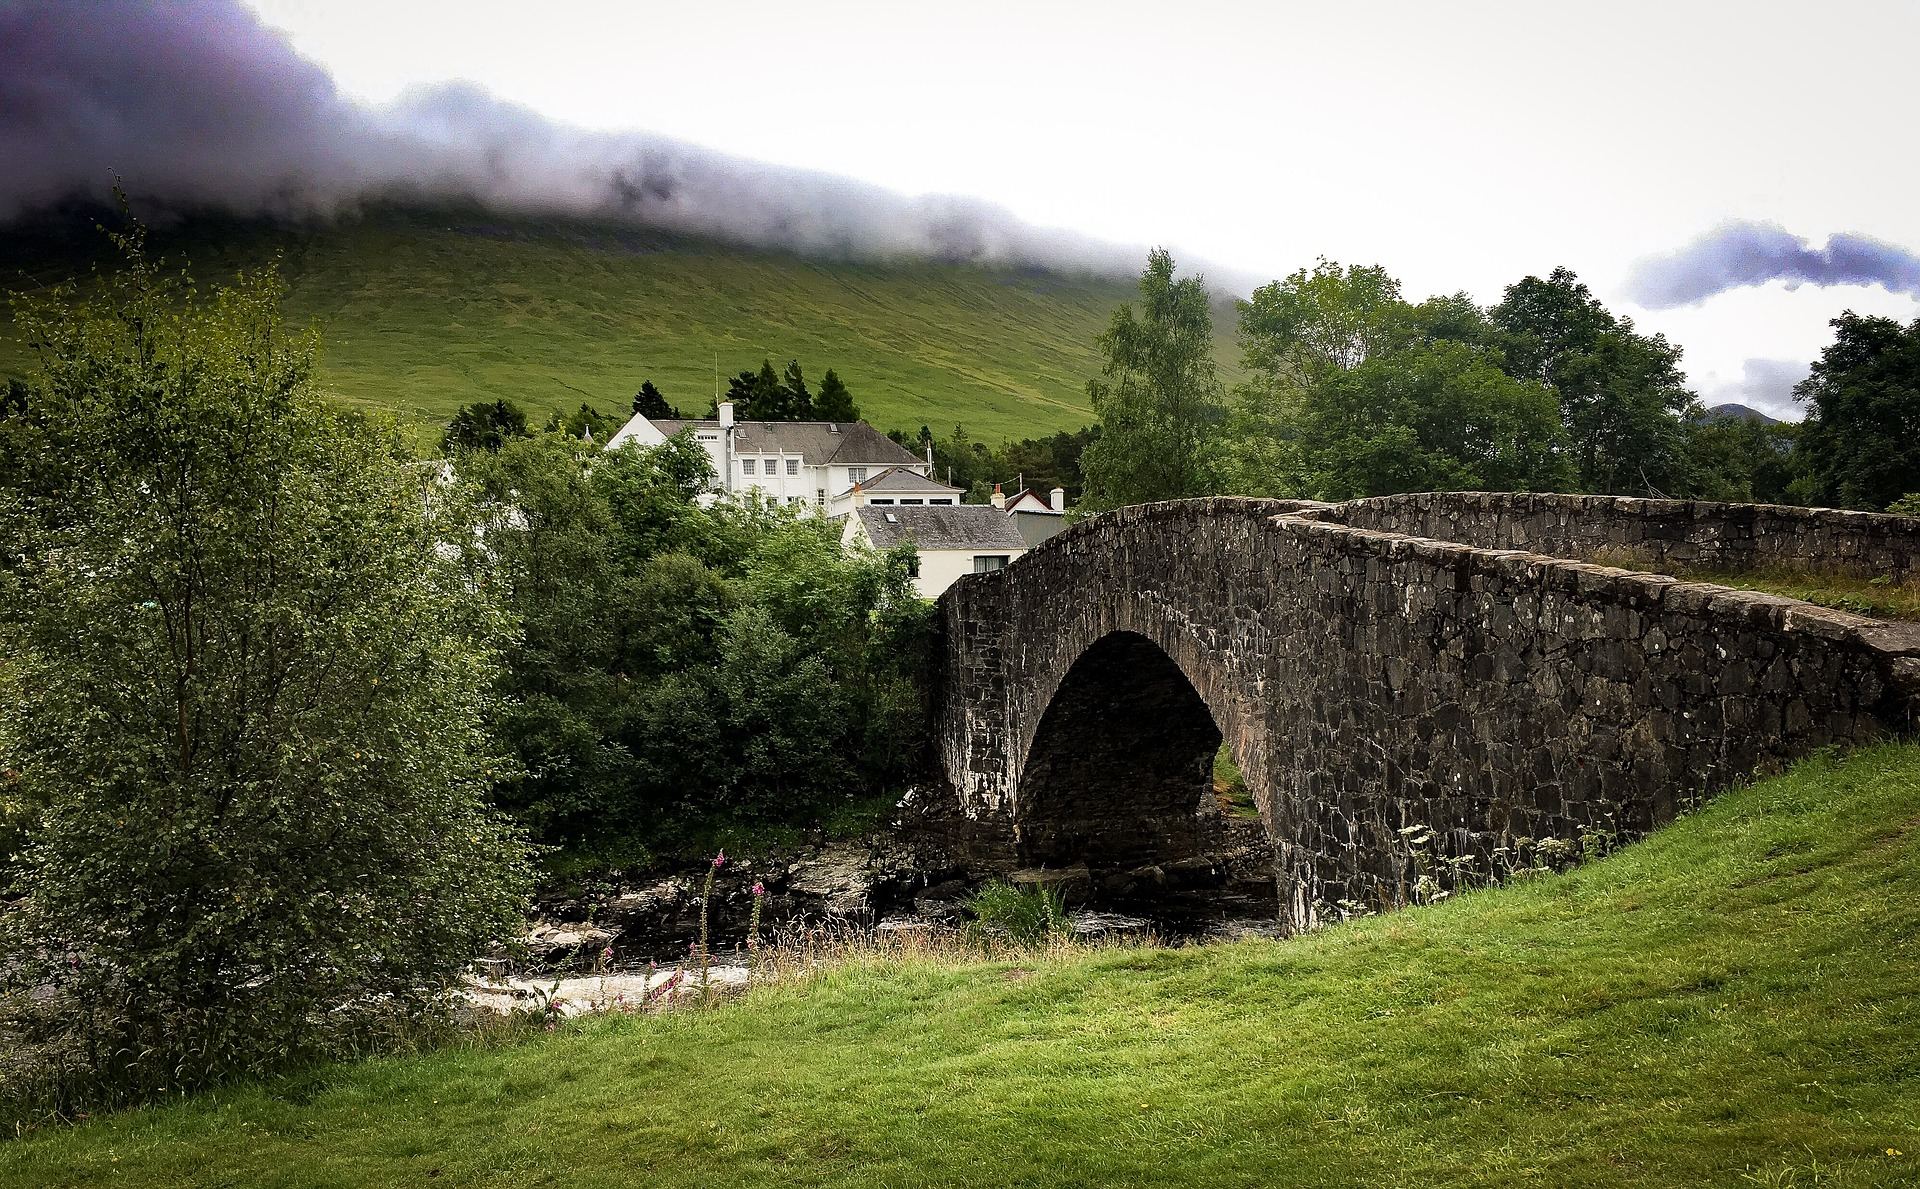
[[422, 309]]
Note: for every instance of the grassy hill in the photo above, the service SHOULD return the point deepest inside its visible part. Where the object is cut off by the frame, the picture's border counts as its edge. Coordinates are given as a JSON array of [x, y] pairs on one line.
[[1730, 1002], [425, 310]]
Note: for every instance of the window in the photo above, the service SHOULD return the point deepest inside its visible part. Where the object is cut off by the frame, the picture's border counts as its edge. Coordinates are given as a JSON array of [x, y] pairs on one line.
[[773, 466], [857, 474], [987, 563], [793, 466], [908, 501], [877, 502], [746, 466], [820, 496], [945, 501]]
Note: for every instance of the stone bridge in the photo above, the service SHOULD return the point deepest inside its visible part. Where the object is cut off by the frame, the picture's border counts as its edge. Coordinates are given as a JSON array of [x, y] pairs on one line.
[[1454, 668]]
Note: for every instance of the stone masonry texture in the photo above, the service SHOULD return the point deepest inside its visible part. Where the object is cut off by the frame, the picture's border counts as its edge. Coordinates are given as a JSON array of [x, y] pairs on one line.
[[1403, 681]]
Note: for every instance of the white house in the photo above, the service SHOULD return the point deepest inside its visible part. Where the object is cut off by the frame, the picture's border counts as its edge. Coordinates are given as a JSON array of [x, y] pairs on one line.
[[789, 462], [895, 487], [951, 540]]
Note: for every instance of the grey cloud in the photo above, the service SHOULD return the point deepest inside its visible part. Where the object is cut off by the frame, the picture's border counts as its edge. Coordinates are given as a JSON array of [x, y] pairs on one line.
[[1743, 254], [196, 103]]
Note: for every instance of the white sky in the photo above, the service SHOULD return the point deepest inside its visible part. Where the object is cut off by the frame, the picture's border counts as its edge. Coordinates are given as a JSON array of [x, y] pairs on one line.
[[1461, 145]]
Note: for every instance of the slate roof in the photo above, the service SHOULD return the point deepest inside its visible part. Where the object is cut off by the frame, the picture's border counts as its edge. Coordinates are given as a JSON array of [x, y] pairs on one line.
[[818, 443], [935, 526], [900, 481]]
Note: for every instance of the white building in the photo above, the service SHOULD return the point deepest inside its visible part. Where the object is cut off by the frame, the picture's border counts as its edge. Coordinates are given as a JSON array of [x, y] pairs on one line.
[[951, 540], [789, 462], [895, 487]]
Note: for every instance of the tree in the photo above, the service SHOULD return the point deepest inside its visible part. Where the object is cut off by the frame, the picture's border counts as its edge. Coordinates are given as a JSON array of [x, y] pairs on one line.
[[1742, 461], [793, 387], [762, 395], [649, 403], [1157, 400], [834, 403], [484, 425], [1352, 391], [258, 688], [1438, 417], [1861, 437], [1623, 398], [1313, 324]]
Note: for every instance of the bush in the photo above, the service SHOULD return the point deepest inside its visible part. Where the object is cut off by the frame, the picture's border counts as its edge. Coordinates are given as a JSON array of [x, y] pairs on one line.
[[688, 664], [248, 700]]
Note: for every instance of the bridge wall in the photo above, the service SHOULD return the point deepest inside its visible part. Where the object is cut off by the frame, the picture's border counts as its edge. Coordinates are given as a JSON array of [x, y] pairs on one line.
[[1664, 534], [1371, 683]]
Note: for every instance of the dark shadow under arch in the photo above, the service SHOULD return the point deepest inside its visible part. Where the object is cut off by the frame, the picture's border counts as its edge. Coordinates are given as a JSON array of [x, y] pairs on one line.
[[1119, 774]]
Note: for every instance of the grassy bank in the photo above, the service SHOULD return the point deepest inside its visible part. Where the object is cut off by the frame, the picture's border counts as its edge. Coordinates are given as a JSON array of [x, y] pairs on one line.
[[1733, 1001], [422, 311]]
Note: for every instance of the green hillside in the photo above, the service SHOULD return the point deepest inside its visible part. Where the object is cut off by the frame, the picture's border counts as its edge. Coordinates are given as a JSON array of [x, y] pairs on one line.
[[1731, 1002], [422, 311]]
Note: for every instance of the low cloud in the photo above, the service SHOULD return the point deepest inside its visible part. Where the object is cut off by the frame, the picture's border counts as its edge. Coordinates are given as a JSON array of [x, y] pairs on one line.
[[198, 104], [1739, 255]]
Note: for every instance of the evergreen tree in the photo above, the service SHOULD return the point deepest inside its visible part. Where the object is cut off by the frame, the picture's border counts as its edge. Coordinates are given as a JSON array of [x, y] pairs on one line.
[[835, 402], [649, 403], [799, 401]]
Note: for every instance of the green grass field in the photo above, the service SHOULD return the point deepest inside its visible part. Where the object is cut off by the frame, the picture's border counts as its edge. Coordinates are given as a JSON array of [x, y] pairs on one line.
[[423, 311], [1734, 1001]]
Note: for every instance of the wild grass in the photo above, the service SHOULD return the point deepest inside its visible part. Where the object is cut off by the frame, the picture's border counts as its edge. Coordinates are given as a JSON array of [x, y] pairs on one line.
[[1886, 596], [1729, 1002], [1882, 598], [422, 311]]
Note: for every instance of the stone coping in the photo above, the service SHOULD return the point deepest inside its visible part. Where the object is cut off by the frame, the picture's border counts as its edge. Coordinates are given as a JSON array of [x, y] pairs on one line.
[[1900, 642]]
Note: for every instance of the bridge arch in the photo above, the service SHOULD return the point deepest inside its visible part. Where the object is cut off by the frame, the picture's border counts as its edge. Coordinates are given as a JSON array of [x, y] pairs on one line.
[[1118, 771]]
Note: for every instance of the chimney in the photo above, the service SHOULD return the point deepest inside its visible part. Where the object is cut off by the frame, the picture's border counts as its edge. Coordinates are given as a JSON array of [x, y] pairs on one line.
[[929, 457], [726, 414], [1058, 498], [999, 500]]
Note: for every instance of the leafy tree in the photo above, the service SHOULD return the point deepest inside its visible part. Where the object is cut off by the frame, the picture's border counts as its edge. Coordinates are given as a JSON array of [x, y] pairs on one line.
[[1313, 324], [835, 402], [1157, 400], [1354, 391], [484, 425], [1861, 437], [1732, 459], [649, 403], [682, 663], [257, 695], [1623, 397], [1440, 417]]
